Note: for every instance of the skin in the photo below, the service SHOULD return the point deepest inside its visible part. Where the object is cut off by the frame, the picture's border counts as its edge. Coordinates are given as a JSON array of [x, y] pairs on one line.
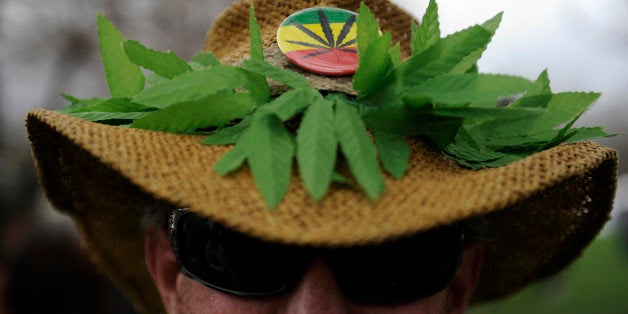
[[317, 292]]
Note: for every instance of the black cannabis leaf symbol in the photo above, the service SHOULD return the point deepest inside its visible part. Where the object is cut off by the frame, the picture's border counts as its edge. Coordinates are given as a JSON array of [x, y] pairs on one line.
[[329, 43]]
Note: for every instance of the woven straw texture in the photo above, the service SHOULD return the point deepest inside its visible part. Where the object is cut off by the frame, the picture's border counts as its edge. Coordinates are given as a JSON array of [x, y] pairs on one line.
[[545, 208]]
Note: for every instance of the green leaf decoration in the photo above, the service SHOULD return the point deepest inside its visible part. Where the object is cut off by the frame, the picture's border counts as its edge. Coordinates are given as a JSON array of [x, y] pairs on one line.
[[428, 33], [395, 54], [368, 29], [114, 105], [561, 108], [286, 77], [394, 153], [375, 63], [316, 147], [404, 120], [231, 161], [292, 102], [78, 104], [583, 134], [165, 64], [468, 64], [443, 56], [203, 83], [359, 150], [155, 79], [269, 150], [188, 116], [124, 78], [203, 60], [538, 96], [97, 116], [228, 135], [438, 94], [255, 35], [483, 90]]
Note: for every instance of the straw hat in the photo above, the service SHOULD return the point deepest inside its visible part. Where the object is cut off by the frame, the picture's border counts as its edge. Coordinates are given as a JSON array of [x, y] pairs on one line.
[[544, 209]]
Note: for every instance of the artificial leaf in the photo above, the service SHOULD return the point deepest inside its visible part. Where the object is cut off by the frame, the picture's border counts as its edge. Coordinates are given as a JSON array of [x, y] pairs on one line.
[[368, 29], [581, 134], [480, 114], [269, 150], [316, 147], [165, 64], [230, 161], [543, 85], [155, 79], [338, 178], [394, 153], [188, 116], [359, 150], [402, 120], [469, 63], [292, 102], [79, 104], [284, 76], [538, 95], [395, 54], [124, 78], [228, 135], [443, 56], [203, 83], [375, 63], [478, 89], [561, 108], [255, 36], [203, 60], [104, 116], [115, 105], [428, 33]]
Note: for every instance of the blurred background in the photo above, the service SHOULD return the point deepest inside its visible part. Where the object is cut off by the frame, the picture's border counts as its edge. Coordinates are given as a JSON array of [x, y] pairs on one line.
[[50, 47]]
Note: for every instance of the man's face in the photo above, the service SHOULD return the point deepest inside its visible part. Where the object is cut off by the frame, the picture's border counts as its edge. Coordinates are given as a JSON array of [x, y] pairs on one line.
[[315, 290]]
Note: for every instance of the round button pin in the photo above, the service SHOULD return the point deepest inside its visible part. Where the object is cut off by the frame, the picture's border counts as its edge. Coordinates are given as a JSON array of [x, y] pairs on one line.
[[321, 40]]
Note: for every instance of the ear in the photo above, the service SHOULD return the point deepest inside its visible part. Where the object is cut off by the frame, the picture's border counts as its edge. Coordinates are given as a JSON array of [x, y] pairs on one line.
[[467, 277], [162, 265]]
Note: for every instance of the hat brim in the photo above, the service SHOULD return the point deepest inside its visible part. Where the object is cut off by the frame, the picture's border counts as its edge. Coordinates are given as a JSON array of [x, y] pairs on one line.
[[545, 209]]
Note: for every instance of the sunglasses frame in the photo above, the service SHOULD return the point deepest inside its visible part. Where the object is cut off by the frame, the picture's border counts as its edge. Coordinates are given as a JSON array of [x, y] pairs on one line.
[[177, 213]]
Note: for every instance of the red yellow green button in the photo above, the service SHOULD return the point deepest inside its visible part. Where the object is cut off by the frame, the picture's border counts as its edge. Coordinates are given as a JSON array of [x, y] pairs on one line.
[[321, 40]]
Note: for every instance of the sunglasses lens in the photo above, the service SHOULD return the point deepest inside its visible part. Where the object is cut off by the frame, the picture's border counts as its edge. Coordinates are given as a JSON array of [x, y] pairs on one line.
[[232, 262], [400, 271]]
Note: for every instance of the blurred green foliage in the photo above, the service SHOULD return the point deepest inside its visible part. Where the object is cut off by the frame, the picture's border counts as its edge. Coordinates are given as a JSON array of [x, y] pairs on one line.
[[595, 283]]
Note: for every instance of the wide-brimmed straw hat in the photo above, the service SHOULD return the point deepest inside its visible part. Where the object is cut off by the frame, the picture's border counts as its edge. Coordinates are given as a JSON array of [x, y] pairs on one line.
[[543, 209]]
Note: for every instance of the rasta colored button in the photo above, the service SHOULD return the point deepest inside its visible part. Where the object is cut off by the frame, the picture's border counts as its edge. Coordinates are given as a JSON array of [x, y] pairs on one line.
[[321, 40]]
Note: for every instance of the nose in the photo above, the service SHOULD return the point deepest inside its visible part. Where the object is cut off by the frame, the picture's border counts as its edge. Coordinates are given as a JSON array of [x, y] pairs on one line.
[[318, 292]]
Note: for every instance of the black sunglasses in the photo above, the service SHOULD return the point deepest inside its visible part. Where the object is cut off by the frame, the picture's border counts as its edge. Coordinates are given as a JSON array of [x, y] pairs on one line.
[[396, 272]]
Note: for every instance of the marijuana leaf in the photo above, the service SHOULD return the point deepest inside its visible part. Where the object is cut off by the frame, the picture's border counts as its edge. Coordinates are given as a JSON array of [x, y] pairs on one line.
[[269, 150], [188, 116], [203, 60], [316, 147], [125, 79], [230, 161], [228, 135], [428, 33], [394, 152], [255, 35], [359, 150], [203, 83], [480, 90], [167, 65]]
